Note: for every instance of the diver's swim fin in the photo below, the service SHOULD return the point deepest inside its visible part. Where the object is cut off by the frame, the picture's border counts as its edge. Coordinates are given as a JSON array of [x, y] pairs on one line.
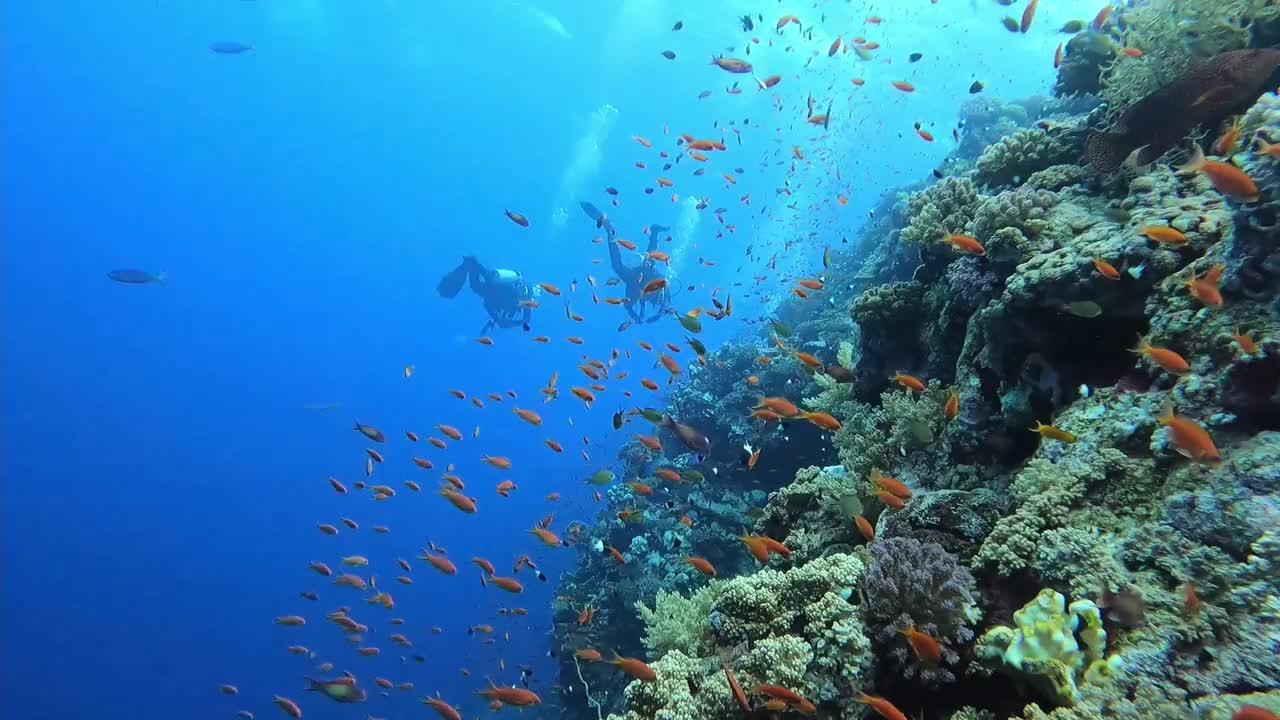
[[451, 284]]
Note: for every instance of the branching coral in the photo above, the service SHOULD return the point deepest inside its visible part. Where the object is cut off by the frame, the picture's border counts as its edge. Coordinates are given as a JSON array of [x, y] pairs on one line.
[[677, 622], [1045, 494], [910, 583], [810, 602]]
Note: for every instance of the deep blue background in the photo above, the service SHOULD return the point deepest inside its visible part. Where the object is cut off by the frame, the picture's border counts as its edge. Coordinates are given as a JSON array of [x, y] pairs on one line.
[[160, 479]]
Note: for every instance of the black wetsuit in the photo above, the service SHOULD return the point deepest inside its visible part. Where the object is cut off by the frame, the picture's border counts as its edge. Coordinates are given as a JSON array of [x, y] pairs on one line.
[[635, 277], [503, 293]]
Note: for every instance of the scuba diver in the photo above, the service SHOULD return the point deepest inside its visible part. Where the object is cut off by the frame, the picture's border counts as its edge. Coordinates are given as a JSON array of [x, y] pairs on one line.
[[635, 277], [507, 297]]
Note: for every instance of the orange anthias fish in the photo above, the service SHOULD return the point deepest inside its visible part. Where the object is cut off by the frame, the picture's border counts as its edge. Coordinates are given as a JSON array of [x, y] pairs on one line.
[[824, 420], [637, 669], [516, 697], [904, 86], [444, 709], [884, 708], [528, 416], [965, 243], [1244, 340], [702, 565], [893, 485], [778, 405], [1106, 269], [1163, 234], [1226, 178], [910, 382], [1189, 438], [511, 585], [1229, 140], [1028, 14], [864, 527], [952, 407], [1167, 359], [1205, 287]]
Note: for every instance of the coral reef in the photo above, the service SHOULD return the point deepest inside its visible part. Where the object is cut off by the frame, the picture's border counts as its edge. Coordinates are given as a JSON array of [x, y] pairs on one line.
[[1050, 527]]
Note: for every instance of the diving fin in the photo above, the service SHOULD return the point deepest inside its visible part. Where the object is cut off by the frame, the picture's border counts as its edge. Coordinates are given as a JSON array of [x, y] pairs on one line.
[[451, 284]]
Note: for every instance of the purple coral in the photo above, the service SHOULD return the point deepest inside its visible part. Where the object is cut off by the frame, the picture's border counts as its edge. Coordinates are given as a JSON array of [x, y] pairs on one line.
[[919, 583]]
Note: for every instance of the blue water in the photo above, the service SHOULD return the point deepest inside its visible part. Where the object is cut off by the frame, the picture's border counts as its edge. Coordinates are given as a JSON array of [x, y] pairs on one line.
[[160, 475]]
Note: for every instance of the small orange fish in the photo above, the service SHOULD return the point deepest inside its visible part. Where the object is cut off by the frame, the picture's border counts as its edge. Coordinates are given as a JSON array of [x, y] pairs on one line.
[[1163, 234], [1167, 359], [890, 499], [824, 420], [640, 488], [1248, 346], [903, 85], [1226, 178], [893, 485], [654, 285], [1205, 287], [528, 416], [1132, 52], [1100, 19], [864, 527], [1106, 269], [965, 243], [1226, 144], [511, 585], [925, 646], [498, 461], [289, 707], [1189, 438], [910, 382], [951, 408], [458, 500], [702, 565], [884, 708]]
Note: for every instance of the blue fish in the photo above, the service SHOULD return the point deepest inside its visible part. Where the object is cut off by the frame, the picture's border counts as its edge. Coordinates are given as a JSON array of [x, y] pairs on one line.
[[230, 47], [129, 276]]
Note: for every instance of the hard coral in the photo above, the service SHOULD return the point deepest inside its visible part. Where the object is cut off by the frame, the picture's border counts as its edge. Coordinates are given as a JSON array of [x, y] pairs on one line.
[[945, 207], [811, 602], [1016, 156], [1056, 646], [910, 583]]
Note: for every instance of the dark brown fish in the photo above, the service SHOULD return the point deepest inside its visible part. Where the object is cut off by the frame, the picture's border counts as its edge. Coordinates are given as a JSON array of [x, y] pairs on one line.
[[1206, 94], [693, 439]]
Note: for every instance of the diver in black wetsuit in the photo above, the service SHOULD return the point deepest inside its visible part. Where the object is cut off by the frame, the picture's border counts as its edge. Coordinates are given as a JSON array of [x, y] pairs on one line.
[[504, 292], [634, 278]]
